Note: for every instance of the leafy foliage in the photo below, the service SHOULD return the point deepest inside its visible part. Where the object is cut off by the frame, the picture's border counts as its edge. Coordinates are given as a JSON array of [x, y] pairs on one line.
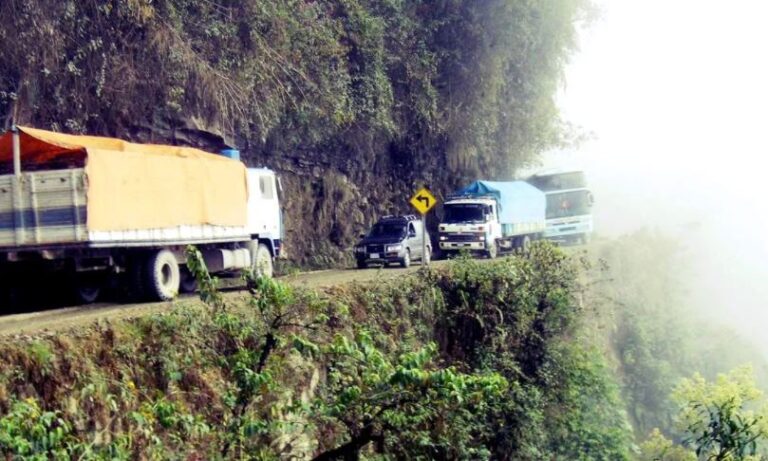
[[410, 407], [658, 448], [31, 434], [656, 337], [654, 333], [513, 318], [722, 433], [482, 74], [718, 418], [437, 366]]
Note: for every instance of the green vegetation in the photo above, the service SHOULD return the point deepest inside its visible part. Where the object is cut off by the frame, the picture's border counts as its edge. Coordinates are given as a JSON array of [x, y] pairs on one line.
[[722, 420], [472, 80], [477, 361], [638, 311], [719, 417], [512, 359]]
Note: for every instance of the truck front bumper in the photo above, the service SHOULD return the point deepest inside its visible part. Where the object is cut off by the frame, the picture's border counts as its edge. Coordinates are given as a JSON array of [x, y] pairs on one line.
[[457, 246]]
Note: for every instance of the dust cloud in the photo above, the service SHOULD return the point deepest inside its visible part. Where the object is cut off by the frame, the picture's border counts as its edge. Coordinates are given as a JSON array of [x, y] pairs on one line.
[[675, 94]]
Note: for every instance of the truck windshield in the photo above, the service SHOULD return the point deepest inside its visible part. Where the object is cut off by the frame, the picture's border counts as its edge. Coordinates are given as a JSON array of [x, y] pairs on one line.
[[553, 182], [388, 230], [464, 213], [566, 204]]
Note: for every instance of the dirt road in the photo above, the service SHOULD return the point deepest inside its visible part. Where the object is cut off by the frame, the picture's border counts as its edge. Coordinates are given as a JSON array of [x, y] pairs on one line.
[[68, 317]]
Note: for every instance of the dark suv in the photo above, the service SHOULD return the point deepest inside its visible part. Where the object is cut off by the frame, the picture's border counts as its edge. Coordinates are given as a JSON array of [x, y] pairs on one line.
[[394, 239]]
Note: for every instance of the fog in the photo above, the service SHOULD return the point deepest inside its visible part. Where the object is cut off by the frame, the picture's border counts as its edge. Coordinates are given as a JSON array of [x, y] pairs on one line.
[[675, 94]]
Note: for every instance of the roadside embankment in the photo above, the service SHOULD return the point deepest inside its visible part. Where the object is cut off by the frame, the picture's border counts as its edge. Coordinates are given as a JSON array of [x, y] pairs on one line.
[[466, 361]]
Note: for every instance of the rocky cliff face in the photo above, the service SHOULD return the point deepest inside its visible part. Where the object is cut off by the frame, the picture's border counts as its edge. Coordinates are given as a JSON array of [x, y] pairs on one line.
[[354, 102]]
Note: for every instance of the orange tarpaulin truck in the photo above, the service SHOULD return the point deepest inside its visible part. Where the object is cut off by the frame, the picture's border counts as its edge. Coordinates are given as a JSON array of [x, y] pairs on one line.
[[105, 209]]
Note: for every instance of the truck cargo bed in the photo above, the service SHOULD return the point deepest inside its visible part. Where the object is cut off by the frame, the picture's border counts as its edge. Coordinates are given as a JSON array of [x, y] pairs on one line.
[[43, 207], [49, 208]]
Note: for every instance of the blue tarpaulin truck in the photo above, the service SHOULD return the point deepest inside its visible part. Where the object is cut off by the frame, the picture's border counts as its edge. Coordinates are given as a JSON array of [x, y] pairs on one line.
[[490, 217]]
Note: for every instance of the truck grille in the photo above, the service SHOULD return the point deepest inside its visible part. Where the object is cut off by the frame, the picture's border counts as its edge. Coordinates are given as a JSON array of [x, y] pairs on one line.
[[463, 237]]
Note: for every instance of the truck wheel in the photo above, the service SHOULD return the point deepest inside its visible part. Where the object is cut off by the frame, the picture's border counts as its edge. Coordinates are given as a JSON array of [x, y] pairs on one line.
[[492, 251], [188, 281], [87, 290], [163, 277], [84, 287], [262, 260], [406, 261]]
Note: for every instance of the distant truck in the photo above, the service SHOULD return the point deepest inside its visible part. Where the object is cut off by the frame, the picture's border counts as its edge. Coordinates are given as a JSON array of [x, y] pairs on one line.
[[491, 217], [103, 210], [393, 240], [569, 205]]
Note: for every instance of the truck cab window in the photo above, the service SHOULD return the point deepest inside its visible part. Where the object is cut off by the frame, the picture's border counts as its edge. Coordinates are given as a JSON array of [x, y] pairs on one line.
[[411, 230], [464, 213]]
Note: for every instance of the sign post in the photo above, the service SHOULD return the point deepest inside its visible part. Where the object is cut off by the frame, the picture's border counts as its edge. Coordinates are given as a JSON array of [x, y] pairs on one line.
[[423, 201]]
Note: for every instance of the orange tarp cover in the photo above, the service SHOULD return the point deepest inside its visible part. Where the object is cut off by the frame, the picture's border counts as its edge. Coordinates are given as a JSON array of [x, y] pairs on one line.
[[141, 186]]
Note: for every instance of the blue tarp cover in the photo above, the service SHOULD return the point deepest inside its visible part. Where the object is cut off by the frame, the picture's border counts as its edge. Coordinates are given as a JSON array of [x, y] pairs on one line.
[[519, 201]]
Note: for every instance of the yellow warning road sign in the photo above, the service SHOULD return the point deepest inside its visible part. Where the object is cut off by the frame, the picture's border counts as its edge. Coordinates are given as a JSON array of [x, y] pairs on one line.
[[423, 200]]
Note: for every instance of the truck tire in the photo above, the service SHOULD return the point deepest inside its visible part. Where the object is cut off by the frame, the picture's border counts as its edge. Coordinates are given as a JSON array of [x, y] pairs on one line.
[[84, 288], [405, 262], [261, 265], [162, 276], [87, 289]]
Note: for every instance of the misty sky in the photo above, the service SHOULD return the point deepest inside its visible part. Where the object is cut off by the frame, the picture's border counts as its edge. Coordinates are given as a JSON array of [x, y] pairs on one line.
[[676, 93]]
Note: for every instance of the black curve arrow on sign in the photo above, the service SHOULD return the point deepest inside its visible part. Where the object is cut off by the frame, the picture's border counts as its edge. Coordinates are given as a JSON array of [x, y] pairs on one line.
[[421, 198]]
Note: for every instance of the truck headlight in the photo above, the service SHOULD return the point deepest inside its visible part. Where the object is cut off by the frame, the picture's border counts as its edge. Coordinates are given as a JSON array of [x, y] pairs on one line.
[[394, 248], [443, 238], [360, 249], [481, 237]]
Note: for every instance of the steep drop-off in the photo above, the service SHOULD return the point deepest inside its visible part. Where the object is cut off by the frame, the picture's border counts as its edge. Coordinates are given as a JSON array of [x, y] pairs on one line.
[[475, 361], [353, 102]]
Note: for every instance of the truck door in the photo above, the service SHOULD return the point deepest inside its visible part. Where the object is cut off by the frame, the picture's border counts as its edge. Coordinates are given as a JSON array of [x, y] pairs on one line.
[[493, 223]]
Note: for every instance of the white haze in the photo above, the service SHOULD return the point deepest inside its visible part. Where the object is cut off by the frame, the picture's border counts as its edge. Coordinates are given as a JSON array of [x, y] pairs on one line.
[[676, 94]]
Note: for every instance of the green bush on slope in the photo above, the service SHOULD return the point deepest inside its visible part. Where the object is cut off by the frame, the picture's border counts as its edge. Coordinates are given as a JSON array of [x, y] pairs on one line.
[[476, 361], [641, 314]]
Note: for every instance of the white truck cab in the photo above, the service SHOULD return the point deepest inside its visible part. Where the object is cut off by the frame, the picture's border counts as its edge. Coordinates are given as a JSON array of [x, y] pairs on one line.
[[469, 224]]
